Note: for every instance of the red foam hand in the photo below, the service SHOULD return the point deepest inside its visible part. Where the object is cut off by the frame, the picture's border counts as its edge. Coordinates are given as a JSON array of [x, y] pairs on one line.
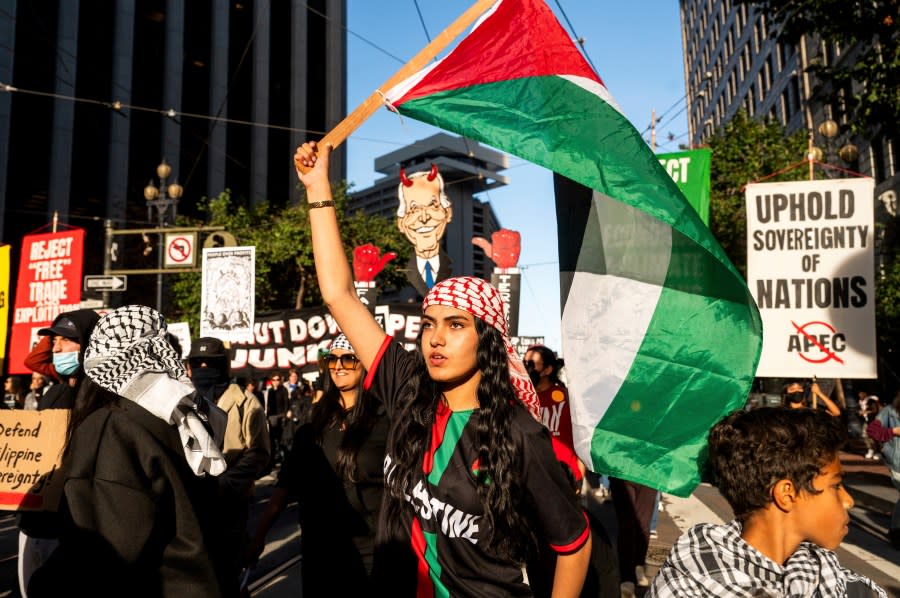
[[368, 262], [506, 245]]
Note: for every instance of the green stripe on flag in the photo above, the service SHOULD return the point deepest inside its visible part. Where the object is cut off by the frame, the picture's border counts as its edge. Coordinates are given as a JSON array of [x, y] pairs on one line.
[[555, 123]]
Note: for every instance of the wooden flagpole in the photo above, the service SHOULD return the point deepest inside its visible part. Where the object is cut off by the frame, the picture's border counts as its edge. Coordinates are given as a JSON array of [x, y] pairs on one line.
[[345, 128]]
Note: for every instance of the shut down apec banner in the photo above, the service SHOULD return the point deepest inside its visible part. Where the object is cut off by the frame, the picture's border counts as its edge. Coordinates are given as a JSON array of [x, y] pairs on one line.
[[810, 267], [288, 339], [49, 284]]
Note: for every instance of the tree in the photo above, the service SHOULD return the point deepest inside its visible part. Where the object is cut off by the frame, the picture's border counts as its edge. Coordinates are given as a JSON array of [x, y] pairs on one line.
[[285, 270], [746, 151], [866, 84]]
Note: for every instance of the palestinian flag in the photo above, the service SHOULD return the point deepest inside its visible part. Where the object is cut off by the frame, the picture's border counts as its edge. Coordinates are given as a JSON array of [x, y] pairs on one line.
[[660, 333]]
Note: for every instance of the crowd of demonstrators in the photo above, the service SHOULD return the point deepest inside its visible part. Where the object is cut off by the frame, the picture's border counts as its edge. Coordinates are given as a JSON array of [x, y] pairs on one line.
[[140, 445], [634, 505], [780, 471], [543, 368], [335, 469], [885, 429], [13, 393], [246, 450], [292, 384], [318, 385], [276, 401], [299, 408], [36, 390], [794, 396], [464, 444], [60, 354], [869, 407]]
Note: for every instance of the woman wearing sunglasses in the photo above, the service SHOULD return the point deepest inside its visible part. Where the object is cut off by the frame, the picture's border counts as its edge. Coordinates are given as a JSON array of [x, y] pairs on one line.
[[335, 470], [472, 484]]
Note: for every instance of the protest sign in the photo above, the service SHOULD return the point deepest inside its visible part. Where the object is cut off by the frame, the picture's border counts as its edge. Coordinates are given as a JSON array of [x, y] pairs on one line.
[[292, 338], [31, 444], [228, 293], [690, 170], [49, 283], [810, 268], [4, 301]]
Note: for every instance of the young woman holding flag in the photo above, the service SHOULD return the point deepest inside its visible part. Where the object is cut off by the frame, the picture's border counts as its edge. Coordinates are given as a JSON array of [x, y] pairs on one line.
[[472, 483]]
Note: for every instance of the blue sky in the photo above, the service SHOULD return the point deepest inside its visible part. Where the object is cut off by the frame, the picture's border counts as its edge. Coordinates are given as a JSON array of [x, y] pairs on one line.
[[636, 49]]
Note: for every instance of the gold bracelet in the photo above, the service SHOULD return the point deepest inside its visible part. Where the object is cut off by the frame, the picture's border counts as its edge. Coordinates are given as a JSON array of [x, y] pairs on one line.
[[321, 204]]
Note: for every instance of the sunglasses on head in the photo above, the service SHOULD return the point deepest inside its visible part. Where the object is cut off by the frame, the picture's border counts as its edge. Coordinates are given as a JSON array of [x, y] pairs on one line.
[[348, 361]]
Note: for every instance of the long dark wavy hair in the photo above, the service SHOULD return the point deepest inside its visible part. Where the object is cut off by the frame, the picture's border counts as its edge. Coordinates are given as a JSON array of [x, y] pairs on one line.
[[500, 466], [357, 423]]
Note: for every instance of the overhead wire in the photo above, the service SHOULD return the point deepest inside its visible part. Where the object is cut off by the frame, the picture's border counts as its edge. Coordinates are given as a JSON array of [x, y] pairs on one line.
[[577, 38], [118, 106], [354, 34], [222, 104], [663, 115], [170, 113], [422, 20]]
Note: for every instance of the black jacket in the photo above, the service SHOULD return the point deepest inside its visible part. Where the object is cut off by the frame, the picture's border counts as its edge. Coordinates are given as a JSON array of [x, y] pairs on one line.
[[130, 527]]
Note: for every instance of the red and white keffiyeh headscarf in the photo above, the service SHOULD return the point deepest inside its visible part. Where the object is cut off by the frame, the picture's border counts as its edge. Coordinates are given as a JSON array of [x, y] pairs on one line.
[[483, 301]]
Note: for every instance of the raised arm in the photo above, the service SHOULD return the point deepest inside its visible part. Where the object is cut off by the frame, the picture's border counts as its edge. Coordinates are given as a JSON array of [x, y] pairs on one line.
[[332, 268], [830, 405]]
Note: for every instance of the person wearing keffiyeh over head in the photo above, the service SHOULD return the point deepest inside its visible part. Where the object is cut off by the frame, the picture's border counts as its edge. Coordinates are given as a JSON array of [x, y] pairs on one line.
[[472, 486], [780, 472], [141, 449]]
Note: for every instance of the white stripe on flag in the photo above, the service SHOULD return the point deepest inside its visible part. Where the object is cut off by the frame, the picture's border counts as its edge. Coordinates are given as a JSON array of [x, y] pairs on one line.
[[607, 311], [604, 324]]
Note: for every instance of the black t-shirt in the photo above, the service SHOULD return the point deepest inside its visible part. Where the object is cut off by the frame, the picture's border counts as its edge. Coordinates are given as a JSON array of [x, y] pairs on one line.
[[337, 517], [445, 522]]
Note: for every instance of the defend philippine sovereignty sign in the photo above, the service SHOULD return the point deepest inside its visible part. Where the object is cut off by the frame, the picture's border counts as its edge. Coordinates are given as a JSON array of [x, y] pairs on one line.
[[31, 445], [810, 267]]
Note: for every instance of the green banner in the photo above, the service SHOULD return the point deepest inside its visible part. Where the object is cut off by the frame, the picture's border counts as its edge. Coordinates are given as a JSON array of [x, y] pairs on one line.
[[690, 171]]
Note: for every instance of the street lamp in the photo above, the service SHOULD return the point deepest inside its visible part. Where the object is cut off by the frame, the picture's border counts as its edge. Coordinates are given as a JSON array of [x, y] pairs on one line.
[[848, 152], [163, 199]]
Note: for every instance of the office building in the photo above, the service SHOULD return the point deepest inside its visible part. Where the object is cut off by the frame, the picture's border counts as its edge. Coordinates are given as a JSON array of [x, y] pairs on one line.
[[223, 90], [732, 61]]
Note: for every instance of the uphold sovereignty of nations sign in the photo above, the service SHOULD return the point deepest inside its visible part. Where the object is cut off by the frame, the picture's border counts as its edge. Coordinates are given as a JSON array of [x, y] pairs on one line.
[[810, 267]]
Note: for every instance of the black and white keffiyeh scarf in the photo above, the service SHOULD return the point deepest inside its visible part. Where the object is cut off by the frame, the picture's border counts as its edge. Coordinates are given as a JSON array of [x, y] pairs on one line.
[[128, 354], [713, 560]]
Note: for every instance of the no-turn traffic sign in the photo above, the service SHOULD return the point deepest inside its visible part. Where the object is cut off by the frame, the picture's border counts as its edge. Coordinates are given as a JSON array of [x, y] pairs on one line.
[[180, 250]]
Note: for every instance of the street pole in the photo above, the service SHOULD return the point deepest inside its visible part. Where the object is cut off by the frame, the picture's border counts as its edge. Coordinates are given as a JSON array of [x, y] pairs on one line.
[[107, 256], [159, 261], [161, 199]]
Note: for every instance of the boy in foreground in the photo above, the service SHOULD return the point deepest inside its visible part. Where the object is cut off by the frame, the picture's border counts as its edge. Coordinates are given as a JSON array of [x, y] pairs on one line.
[[779, 470]]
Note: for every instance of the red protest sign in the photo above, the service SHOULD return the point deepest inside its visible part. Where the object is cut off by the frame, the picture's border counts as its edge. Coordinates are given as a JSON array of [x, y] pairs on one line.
[[49, 283]]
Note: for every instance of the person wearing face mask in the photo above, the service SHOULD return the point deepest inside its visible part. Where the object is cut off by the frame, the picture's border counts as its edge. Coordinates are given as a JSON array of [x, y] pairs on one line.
[[246, 449], [69, 334], [793, 396]]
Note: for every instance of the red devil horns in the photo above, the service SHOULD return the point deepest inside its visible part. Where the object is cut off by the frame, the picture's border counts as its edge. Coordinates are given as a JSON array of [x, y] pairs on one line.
[[408, 183]]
